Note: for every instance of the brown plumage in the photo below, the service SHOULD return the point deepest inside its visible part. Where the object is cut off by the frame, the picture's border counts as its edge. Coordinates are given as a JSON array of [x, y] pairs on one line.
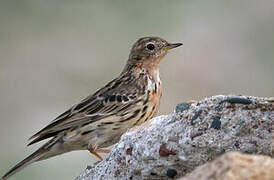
[[99, 120]]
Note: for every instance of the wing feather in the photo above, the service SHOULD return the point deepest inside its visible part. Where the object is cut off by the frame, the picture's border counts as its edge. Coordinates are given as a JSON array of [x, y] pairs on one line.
[[114, 98]]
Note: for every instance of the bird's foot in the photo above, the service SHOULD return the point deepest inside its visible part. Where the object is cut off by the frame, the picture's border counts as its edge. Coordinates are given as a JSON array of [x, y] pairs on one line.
[[95, 152], [103, 151]]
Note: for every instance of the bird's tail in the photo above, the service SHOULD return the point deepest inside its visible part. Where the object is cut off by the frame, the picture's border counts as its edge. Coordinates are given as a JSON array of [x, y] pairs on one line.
[[43, 152]]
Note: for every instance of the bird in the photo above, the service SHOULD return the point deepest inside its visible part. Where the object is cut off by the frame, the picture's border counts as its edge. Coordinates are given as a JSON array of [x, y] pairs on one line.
[[100, 119]]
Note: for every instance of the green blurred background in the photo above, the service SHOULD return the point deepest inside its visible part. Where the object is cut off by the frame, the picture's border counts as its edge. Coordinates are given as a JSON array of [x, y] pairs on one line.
[[54, 53]]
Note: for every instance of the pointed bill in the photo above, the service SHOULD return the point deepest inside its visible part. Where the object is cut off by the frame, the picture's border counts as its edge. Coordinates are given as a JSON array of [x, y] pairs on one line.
[[172, 45]]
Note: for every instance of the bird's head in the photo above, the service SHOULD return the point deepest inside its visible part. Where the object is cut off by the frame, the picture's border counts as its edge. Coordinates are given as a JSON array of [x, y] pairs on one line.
[[150, 50]]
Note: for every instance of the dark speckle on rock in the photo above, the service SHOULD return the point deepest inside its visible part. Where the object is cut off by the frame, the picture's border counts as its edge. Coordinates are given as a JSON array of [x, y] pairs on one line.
[[163, 151], [181, 107], [117, 172], [196, 134], [221, 151], [254, 142], [196, 115], [237, 144], [129, 151], [171, 173], [216, 123], [255, 126], [233, 100], [236, 100], [218, 109]]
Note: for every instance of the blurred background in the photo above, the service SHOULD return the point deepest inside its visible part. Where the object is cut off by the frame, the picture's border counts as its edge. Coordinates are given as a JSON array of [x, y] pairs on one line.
[[54, 53]]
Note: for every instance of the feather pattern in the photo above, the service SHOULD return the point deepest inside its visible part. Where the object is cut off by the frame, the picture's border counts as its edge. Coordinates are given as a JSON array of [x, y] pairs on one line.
[[100, 119], [106, 102]]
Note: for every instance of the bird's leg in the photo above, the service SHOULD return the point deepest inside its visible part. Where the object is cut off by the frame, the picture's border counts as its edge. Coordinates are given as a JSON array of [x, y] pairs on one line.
[[92, 151], [96, 154]]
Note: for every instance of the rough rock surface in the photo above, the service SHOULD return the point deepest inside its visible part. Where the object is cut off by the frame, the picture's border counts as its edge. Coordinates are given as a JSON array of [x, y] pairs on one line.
[[170, 146], [235, 166]]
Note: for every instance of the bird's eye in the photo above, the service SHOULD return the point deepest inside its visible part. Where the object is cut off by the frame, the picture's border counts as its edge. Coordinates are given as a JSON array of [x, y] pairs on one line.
[[150, 46]]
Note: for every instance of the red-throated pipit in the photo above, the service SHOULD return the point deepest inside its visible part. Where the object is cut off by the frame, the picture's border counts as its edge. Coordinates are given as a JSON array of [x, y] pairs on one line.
[[99, 120]]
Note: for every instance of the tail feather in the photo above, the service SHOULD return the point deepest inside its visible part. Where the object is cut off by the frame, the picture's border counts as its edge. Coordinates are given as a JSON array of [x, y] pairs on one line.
[[40, 154]]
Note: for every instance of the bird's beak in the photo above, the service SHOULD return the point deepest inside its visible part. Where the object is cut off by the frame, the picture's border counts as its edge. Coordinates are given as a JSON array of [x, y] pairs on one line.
[[172, 45]]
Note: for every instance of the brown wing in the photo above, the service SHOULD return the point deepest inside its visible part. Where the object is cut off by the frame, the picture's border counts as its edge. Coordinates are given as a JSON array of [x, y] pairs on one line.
[[117, 96]]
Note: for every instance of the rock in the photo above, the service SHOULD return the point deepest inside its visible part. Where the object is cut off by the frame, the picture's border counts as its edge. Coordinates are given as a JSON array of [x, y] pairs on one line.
[[182, 106], [235, 166], [170, 146]]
